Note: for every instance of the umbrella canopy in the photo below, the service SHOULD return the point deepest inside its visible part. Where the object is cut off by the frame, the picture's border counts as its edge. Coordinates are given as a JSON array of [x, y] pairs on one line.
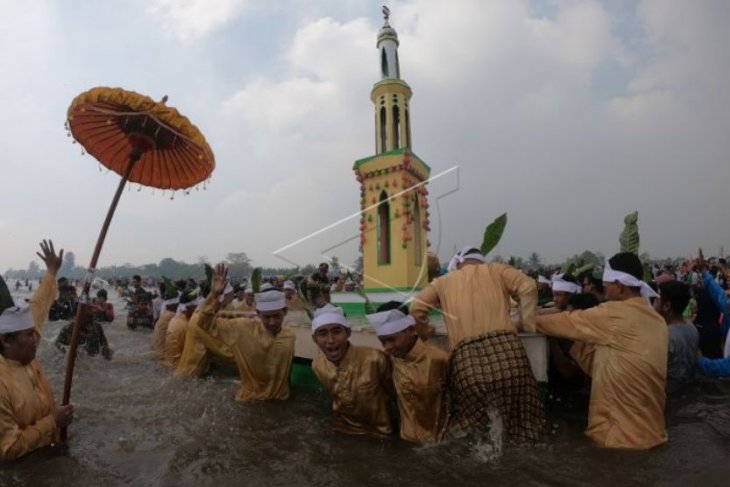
[[113, 124]]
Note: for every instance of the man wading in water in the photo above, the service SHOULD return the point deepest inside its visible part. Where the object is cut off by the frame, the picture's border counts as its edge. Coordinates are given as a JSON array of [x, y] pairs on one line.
[[29, 417], [490, 373], [630, 360]]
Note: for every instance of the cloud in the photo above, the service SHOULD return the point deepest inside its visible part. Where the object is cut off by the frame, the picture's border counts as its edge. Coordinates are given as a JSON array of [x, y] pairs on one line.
[[189, 20]]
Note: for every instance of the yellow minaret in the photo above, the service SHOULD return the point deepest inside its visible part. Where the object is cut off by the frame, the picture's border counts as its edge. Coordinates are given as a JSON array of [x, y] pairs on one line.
[[394, 222]]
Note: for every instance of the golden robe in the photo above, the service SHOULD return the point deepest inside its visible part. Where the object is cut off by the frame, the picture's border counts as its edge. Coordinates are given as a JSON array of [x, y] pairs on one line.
[[629, 369], [26, 399], [295, 303], [159, 333], [198, 349], [263, 360], [175, 339], [243, 306], [359, 388], [476, 300], [420, 385]]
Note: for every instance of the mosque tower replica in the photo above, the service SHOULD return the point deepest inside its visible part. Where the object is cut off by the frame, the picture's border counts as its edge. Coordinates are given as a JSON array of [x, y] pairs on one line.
[[394, 218]]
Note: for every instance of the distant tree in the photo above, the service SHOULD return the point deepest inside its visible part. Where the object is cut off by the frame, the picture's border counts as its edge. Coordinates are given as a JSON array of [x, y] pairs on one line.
[[534, 261]]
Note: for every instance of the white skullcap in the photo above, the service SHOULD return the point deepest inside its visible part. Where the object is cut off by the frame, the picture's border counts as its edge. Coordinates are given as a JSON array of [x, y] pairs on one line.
[[560, 284], [462, 255], [610, 275], [171, 301], [182, 307], [248, 290], [329, 315], [543, 280], [390, 322], [270, 300], [16, 318], [289, 285]]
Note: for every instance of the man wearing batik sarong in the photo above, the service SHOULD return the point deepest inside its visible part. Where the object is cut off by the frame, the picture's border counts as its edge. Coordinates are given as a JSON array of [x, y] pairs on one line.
[[490, 375]]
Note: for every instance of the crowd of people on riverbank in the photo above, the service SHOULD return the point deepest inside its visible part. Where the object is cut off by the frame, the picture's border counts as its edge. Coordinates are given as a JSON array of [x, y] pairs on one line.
[[630, 342]]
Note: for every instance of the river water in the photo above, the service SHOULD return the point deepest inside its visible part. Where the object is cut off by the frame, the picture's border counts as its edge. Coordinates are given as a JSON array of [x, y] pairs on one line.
[[137, 425]]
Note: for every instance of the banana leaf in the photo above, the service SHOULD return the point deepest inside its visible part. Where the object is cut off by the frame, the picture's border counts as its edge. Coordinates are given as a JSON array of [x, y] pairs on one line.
[[256, 279], [493, 233], [580, 270], [6, 300], [629, 238], [170, 288], [568, 268], [208, 273]]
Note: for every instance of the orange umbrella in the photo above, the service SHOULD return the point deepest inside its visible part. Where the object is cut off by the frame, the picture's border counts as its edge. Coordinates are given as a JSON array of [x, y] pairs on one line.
[[144, 141]]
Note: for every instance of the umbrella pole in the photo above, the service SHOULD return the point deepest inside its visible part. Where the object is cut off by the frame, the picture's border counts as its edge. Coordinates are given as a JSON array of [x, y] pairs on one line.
[[82, 310]]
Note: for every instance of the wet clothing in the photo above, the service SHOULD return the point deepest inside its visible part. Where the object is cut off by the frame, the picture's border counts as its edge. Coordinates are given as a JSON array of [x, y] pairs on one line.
[[175, 339], [419, 380], [159, 333], [475, 300], [26, 399], [263, 360], [722, 304], [359, 388], [196, 356], [91, 337], [318, 288], [62, 310], [707, 321], [629, 369], [491, 377], [684, 343], [714, 367]]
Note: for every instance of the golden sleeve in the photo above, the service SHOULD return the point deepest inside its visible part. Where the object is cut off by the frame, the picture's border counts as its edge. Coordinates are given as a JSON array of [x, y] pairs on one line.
[[525, 288], [422, 304], [590, 326], [42, 300], [16, 442]]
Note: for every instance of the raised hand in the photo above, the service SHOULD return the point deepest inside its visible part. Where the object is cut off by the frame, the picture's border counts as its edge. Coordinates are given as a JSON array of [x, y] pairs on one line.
[[219, 280], [700, 262], [53, 261]]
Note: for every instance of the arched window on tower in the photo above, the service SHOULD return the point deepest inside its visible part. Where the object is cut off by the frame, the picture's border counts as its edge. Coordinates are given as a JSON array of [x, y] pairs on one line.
[[383, 62], [417, 246], [396, 127], [383, 130], [383, 229], [408, 129]]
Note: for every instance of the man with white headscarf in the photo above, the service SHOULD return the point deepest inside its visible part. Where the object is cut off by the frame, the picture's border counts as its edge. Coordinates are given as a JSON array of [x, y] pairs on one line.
[[293, 301], [261, 347], [170, 300], [29, 416], [490, 374], [419, 374], [177, 329], [630, 358], [357, 378]]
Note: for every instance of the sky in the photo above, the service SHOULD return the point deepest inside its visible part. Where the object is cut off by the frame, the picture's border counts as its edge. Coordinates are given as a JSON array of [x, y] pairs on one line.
[[566, 114]]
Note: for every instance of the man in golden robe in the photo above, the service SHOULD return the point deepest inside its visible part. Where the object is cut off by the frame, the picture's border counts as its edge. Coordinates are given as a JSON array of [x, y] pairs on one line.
[[629, 361], [170, 301], [176, 331], [419, 375], [293, 301], [248, 303], [196, 356], [357, 378], [262, 348], [490, 374], [29, 417]]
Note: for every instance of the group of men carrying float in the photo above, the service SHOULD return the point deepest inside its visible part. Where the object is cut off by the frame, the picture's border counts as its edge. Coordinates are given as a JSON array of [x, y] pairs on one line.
[[483, 376]]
